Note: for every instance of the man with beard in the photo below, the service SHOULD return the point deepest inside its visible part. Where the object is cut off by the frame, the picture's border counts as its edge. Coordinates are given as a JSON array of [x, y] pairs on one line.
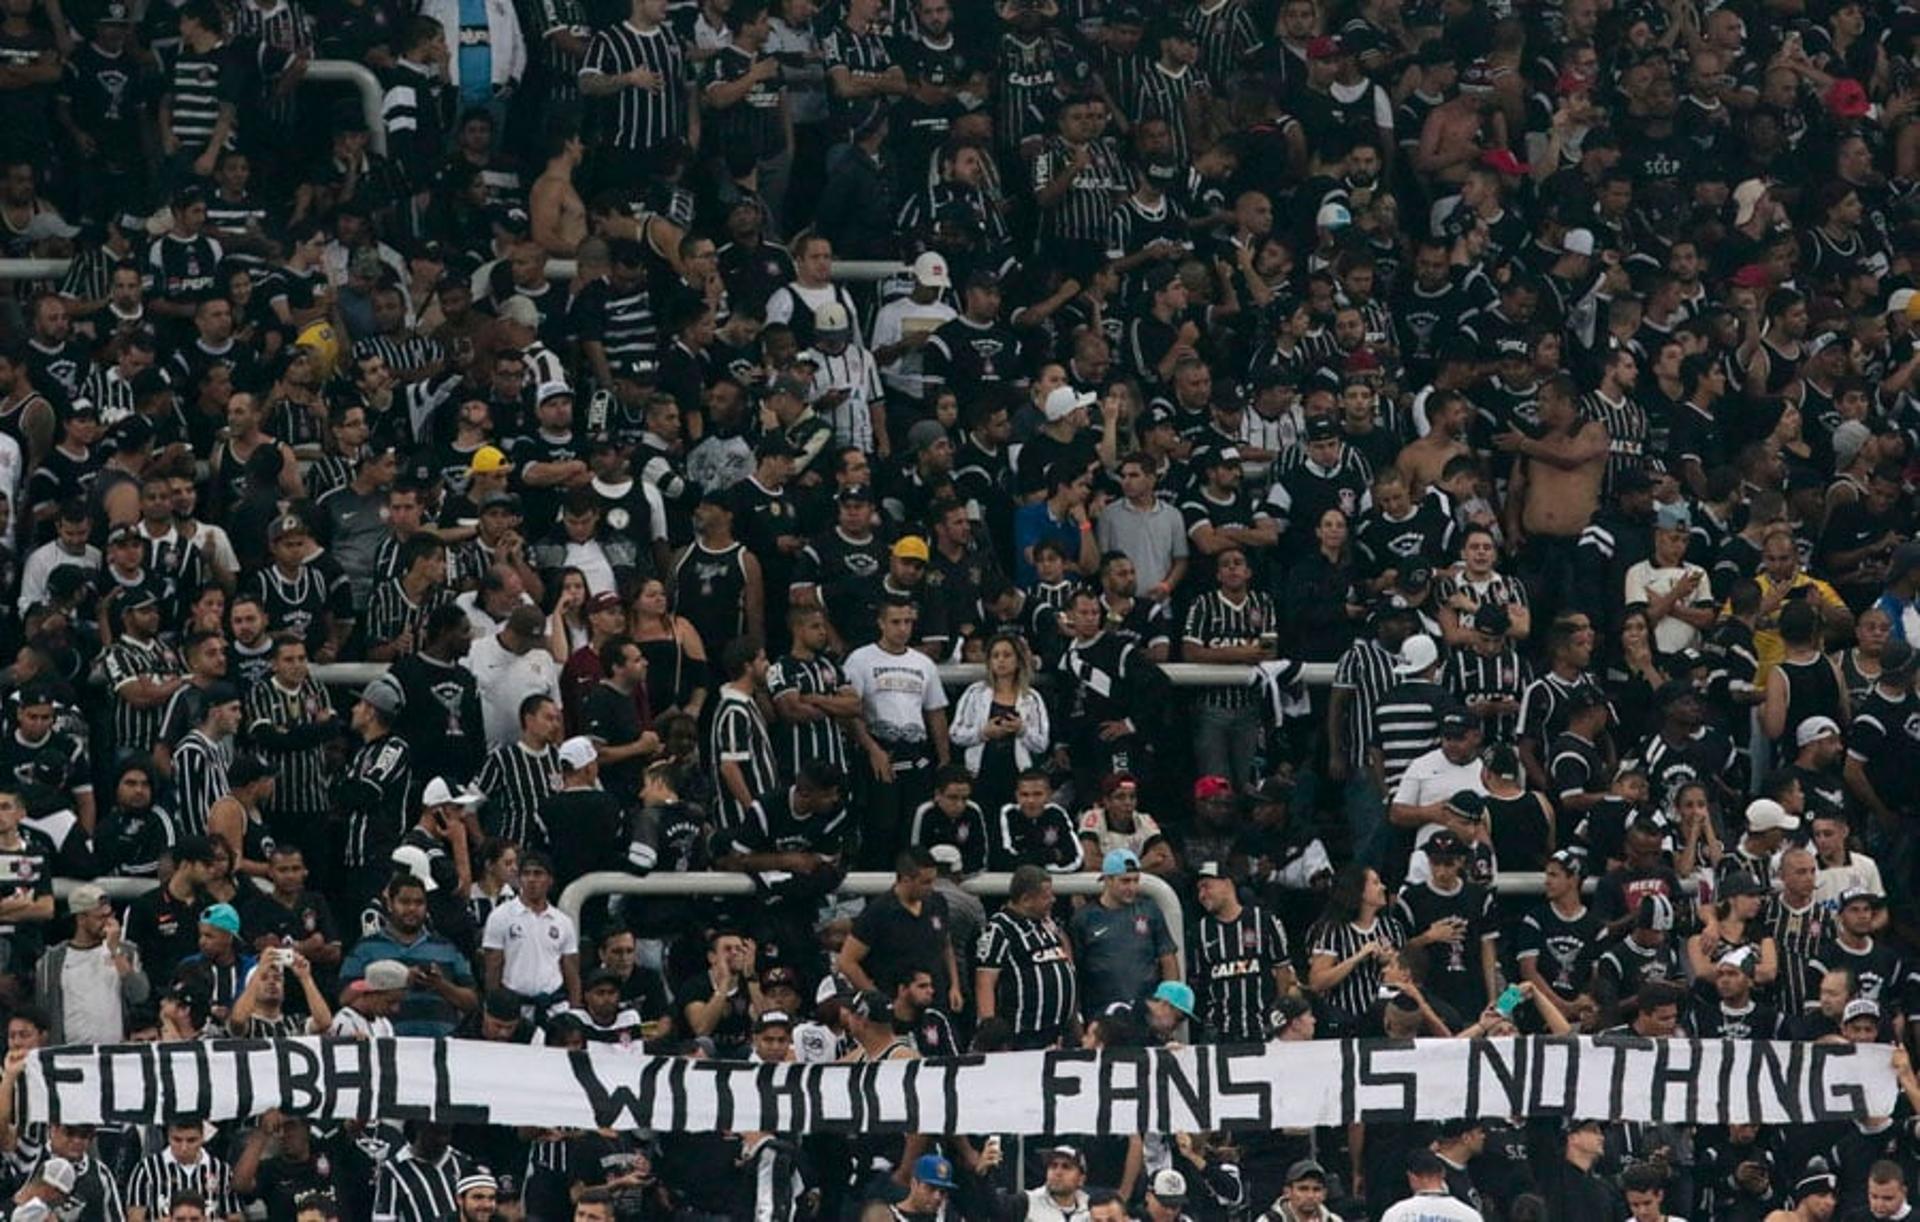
[[440, 716]]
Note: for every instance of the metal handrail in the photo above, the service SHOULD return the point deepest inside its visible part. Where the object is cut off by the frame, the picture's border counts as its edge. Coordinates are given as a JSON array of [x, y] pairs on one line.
[[953, 674]]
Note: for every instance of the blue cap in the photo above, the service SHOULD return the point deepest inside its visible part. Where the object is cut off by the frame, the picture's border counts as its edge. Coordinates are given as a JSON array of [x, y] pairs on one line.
[[1119, 861], [1175, 994], [935, 1171], [222, 916]]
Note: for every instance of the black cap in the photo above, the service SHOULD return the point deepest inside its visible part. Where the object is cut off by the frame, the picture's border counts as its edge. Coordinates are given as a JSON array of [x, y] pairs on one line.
[[774, 445], [1157, 415], [854, 494], [1444, 846], [1896, 658], [131, 433], [1674, 690], [1492, 619], [1632, 479], [870, 1004], [220, 692], [603, 975], [503, 1006], [133, 598], [1159, 276], [1739, 883], [1458, 721], [1322, 428], [1468, 804], [983, 278]]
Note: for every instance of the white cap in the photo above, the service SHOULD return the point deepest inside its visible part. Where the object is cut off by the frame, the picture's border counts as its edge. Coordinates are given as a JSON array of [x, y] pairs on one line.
[[1418, 654], [1814, 729], [1063, 401], [1577, 242], [577, 752], [1747, 197], [931, 269], [831, 317], [414, 860], [1767, 815], [552, 390], [1899, 300], [33, 1211], [58, 1172], [1169, 1186], [1333, 216], [439, 793], [521, 310]]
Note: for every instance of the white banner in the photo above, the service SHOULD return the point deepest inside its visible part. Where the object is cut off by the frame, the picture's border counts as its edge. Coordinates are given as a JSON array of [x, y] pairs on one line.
[[1129, 1091]]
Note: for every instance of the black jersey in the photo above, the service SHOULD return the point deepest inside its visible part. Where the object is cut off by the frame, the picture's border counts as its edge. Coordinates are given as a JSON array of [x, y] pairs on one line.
[[966, 831], [1561, 947], [710, 589], [1233, 968]]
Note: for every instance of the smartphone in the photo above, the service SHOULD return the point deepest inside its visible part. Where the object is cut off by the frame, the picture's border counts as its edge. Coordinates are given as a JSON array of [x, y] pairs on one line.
[[1510, 999]]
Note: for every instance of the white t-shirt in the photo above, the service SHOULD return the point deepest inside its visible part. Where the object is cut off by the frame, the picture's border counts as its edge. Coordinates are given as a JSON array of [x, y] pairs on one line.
[[897, 319], [350, 1022], [1431, 1207], [1645, 582], [532, 945], [1430, 779], [90, 992], [896, 691]]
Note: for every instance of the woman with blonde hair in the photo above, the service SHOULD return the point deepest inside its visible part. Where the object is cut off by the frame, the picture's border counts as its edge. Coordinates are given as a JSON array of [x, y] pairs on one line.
[[1000, 722]]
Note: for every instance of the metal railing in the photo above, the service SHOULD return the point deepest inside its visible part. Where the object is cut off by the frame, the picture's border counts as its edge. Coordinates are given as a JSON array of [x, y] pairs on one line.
[[953, 674], [699, 883]]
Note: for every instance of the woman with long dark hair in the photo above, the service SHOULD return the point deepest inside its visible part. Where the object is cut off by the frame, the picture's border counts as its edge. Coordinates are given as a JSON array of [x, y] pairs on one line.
[[1349, 947]]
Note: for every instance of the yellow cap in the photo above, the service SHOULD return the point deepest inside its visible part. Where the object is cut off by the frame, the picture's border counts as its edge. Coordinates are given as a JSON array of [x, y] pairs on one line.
[[911, 547], [488, 458]]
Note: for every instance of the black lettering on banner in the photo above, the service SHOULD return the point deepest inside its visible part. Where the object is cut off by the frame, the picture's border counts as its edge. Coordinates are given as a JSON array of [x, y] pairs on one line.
[[609, 1104], [54, 1074], [337, 1079], [445, 1110], [1112, 1091], [1512, 1075], [872, 1099], [817, 1093], [910, 1091], [174, 1104], [950, 1070], [722, 1073], [1785, 1079], [1258, 1088], [1666, 1072], [1349, 1096], [299, 1084], [1619, 1045], [1055, 1086], [240, 1052], [677, 1091], [1170, 1079], [1543, 1047], [777, 1082], [1401, 1080], [1852, 1095], [391, 1108], [1728, 1050]]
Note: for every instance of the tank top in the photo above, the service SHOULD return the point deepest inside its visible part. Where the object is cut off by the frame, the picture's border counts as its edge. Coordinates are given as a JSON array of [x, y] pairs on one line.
[[1781, 369], [667, 685], [709, 589], [1519, 829], [1858, 682], [1812, 691]]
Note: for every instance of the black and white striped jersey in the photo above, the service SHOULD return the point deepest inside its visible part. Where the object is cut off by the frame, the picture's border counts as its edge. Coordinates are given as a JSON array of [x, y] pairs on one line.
[[1365, 671], [1036, 988], [517, 781], [1627, 428], [1406, 725], [620, 320], [1342, 940], [199, 780], [373, 792], [739, 736], [1163, 95], [1471, 676], [390, 612], [800, 742], [408, 1188], [1227, 37], [157, 1177], [866, 56], [284, 728], [408, 351], [1233, 972], [137, 729], [200, 85], [641, 119], [1218, 621], [1082, 214]]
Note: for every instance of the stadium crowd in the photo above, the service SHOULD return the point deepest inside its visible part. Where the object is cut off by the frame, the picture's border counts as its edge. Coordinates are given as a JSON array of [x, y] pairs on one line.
[[663, 392]]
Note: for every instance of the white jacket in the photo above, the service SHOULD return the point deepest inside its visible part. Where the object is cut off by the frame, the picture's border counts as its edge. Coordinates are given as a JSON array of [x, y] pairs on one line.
[[970, 723], [503, 34]]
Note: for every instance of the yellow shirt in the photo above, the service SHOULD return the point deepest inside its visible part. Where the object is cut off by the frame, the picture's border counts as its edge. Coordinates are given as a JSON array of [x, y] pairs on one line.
[[1768, 648]]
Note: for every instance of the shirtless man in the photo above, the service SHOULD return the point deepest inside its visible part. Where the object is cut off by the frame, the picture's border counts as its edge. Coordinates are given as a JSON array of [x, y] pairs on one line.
[[1556, 487], [1422, 461], [559, 217], [1453, 137]]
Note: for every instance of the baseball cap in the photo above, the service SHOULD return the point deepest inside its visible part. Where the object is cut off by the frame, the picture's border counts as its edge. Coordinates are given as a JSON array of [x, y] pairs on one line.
[[1445, 846], [1747, 197], [931, 269], [1656, 913], [1169, 1187], [385, 694], [1069, 1153], [1063, 401], [487, 459], [773, 1018], [1208, 788], [933, 1170], [1468, 804], [1767, 815], [1119, 861], [1324, 47], [384, 976], [831, 319], [911, 547], [1813, 729], [1860, 895], [1176, 994], [439, 793], [1417, 654], [555, 389], [1333, 216], [1492, 619], [1742, 959], [1861, 1007], [509, 501], [1847, 98], [577, 752], [85, 898], [923, 434], [1740, 882], [1577, 242], [605, 600], [286, 524], [1895, 660], [222, 917], [415, 861], [870, 1004], [1848, 439], [1673, 517], [1305, 1169], [1458, 721], [1210, 869], [128, 533], [59, 1173], [1502, 161], [1899, 300]]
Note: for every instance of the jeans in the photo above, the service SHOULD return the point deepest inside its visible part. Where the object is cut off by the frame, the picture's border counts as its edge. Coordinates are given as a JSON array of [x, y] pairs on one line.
[[1366, 811], [1226, 742]]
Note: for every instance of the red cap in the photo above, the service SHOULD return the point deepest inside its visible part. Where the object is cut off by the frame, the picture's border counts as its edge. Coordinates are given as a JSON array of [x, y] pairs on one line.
[[1503, 161], [1847, 99], [1114, 780], [1752, 276], [1571, 83], [1209, 787], [1362, 361], [1324, 47]]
